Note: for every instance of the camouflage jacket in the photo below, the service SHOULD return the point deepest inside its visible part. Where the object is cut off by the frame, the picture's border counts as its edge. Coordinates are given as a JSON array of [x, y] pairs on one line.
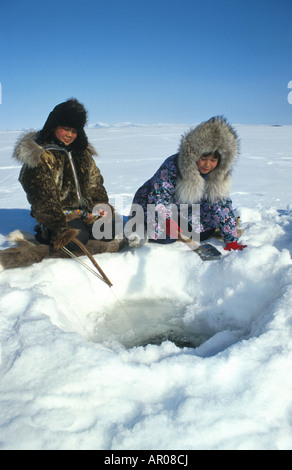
[[56, 180]]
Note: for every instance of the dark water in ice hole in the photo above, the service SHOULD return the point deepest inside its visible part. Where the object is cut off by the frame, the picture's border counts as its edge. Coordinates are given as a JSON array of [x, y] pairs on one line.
[[142, 322]]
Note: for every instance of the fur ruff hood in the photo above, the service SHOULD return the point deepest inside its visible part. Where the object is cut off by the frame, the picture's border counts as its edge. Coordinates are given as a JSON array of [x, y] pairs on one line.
[[214, 134], [28, 151], [55, 180]]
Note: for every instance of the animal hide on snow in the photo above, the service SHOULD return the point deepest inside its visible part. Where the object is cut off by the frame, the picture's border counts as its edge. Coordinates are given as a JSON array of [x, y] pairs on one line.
[[28, 251]]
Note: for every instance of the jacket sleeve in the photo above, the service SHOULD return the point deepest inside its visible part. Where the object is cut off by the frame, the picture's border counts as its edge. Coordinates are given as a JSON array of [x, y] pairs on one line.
[[42, 194], [95, 192], [156, 197], [227, 221], [220, 214]]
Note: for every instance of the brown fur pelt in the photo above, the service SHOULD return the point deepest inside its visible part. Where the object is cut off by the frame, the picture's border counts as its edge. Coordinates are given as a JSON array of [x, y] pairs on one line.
[[28, 251]]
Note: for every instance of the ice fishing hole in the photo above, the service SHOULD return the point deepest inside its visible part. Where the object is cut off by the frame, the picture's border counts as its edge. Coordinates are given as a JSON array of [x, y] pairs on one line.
[[142, 322]]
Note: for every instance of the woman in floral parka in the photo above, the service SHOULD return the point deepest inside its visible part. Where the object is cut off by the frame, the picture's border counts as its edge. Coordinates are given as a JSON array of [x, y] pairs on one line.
[[199, 175]]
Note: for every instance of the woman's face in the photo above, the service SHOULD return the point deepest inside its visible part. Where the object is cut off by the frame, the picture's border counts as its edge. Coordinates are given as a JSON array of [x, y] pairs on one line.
[[67, 135], [207, 164]]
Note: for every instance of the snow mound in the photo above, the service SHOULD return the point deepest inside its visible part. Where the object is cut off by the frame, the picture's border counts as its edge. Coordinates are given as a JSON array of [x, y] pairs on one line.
[[165, 293]]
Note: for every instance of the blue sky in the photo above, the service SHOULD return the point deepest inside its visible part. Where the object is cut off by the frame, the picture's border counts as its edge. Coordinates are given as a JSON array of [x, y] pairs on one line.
[[146, 61]]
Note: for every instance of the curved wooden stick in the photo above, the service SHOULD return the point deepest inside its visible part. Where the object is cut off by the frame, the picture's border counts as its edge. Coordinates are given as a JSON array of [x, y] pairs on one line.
[[86, 252]]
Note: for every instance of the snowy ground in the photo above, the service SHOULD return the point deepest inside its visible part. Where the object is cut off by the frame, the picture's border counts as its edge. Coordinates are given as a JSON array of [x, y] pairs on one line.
[[179, 354]]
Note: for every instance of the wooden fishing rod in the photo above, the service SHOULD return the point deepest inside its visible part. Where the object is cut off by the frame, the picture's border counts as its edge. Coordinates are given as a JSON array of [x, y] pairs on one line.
[[102, 276]]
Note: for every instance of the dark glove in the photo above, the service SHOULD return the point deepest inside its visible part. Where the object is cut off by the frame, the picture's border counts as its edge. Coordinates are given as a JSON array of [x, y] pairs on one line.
[[234, 246]]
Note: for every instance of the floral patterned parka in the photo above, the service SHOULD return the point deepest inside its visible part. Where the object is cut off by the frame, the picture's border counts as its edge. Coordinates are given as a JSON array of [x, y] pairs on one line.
[[159, 194]]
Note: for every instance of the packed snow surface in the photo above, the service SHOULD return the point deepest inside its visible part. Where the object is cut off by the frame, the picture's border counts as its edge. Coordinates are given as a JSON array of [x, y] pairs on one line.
[[179, 353]]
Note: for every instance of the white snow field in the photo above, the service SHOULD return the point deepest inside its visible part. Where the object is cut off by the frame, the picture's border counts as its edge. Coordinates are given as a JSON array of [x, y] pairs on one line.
[[179, 354]]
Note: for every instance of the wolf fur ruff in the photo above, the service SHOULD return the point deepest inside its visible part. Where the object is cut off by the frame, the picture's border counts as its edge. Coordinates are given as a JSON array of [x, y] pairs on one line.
[[214, 134], [27, 149]]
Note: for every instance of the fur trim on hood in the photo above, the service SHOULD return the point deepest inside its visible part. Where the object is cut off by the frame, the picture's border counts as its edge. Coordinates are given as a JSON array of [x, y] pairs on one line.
[[29, 152], [214, 134]]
